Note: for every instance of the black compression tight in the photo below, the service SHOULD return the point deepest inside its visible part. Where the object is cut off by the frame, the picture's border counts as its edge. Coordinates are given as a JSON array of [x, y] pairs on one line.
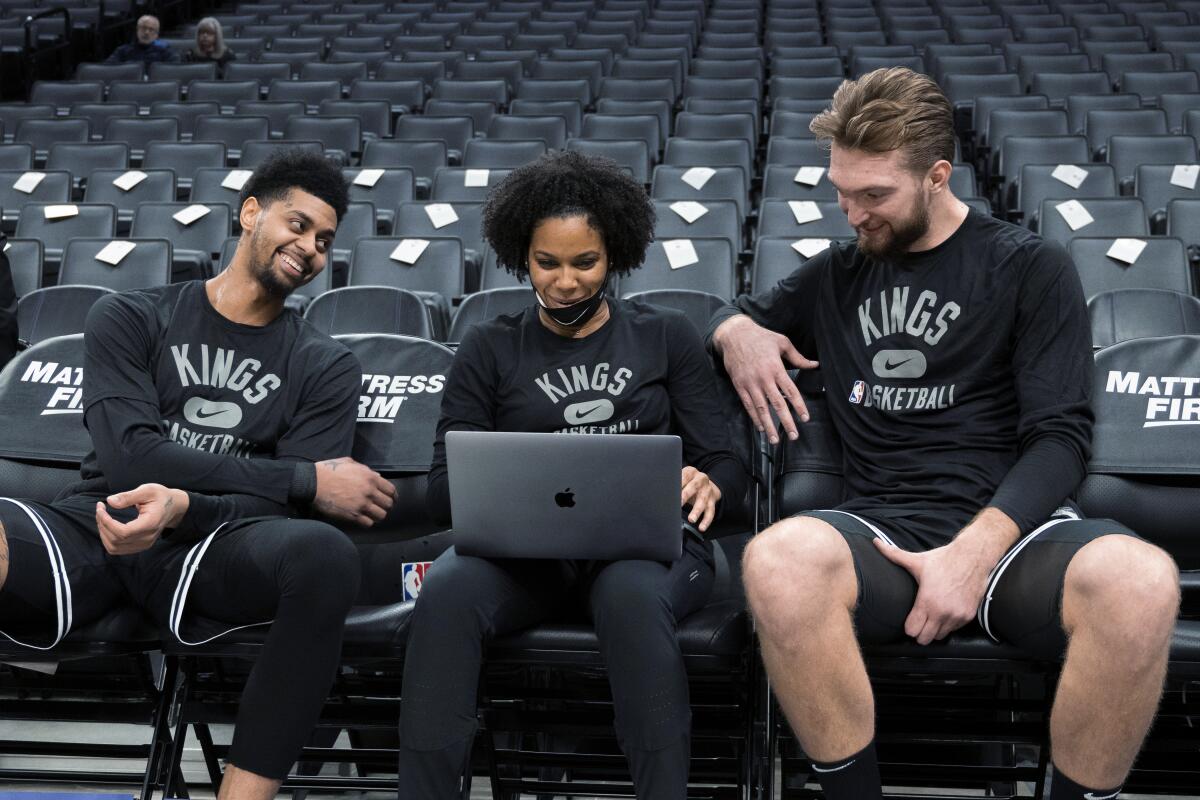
[[305, 575]]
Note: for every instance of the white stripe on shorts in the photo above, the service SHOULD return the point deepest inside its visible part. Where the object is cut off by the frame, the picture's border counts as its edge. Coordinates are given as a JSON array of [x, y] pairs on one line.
[[191, 564], [875, 530], [1062, 514], [58, 572]]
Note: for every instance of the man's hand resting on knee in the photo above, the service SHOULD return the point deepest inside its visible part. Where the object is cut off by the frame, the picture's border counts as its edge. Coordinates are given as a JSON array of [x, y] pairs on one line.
[[754, 359], [352, 492], [951, 579], [158, 508]]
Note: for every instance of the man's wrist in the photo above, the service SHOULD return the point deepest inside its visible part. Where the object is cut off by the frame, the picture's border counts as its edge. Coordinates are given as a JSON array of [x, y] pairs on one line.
[[178, 502], [987, 537], [721, 332]]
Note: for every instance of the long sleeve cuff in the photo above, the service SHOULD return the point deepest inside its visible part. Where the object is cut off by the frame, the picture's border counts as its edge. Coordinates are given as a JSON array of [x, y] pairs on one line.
[[1045, 475], [303, 488]]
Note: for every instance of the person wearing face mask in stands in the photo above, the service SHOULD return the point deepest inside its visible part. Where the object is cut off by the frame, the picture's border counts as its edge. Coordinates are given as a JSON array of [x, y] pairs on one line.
[[569, 223], [210, 46]]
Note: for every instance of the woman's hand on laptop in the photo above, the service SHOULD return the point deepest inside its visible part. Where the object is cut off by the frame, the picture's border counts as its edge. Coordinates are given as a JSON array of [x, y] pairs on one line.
[[702, 494]]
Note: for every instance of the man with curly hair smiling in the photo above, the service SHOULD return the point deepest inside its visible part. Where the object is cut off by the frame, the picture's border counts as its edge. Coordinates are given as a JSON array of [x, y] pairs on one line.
[[567, 223]]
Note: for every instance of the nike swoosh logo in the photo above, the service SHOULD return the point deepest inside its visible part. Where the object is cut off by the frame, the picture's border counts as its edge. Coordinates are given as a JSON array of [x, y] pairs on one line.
[[838, 768], [892, 365], [212, 413], [589, 411]]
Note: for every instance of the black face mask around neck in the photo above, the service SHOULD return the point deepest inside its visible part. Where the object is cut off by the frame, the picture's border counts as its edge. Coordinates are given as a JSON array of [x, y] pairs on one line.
[[575, 315]]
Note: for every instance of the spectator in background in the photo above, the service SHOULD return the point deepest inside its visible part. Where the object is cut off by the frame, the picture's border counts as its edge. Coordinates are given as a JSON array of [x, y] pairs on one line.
[[8, 310], [210, 46], [146, 48]]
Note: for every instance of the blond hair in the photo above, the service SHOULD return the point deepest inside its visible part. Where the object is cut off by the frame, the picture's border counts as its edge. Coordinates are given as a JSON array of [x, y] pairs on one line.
[[889, 109]]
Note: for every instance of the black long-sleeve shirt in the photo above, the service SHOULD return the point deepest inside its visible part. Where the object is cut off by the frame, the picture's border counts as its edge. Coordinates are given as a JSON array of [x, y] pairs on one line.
[[957, 378], [8, 310], [175, 393], [644, 371]]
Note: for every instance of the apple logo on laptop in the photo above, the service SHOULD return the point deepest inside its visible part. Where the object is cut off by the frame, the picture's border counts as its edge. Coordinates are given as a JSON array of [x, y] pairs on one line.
[[565, 498]]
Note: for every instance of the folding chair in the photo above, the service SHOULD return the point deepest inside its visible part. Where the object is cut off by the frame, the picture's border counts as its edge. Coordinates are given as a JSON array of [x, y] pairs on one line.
[[1121, 216], [147, 264], [1118, 315], [1161, 265]]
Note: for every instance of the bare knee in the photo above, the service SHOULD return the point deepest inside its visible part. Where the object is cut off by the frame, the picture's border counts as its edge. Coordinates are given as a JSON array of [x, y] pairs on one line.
[[797, 571], [1125, 586]]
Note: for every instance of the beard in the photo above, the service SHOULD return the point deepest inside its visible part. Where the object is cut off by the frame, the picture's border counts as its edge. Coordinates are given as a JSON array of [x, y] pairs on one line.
[[262, 267], [894, 239]]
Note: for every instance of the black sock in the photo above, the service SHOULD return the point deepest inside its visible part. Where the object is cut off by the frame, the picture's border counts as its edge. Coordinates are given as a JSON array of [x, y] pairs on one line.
[[853, 778], [1063, 788]]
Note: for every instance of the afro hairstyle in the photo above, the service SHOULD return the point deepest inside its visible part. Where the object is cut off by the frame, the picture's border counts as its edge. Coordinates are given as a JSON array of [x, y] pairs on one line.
[[566, 184], [298, 169]]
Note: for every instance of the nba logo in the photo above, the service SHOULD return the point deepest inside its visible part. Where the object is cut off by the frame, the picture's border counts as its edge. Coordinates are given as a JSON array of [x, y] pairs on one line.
[[413, 573], [856, 394]]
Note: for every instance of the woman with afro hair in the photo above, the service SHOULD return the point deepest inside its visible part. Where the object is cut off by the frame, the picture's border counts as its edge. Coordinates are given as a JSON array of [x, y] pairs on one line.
[[570, 223]]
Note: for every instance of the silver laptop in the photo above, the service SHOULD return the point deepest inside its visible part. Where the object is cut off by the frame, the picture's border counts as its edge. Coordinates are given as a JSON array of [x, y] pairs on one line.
[[554, 495]]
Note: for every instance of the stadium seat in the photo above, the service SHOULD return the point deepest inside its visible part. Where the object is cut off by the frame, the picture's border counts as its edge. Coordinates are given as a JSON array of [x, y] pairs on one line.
[[311, 93], [1152, 183], [103, 186], [656, 108], [640, 127], [797, 152], [55, 311], [488, 304], [341, 137], [385, 188], [144, 93], [1121, 314], [781, 182], [206, 233], [227, 94], [1005, 122], [1144, 475], [1127, 153], [64, 94], [51, 187], [778, 218], [1017, 151], [719, 220], [107, 73], [343, 72], [1115, 65], [714, 269], [552, 130], [573, 70], [45, 133], [256, 151], [261, 74], [698, 307], [687, 152], [1080, 105], [636, 89], [1100, 124], [40, 221], [633, 155], [722, 183], [463, 185], [805, 88], [1161, 265], [1176, 105], [370, 309], [501, 154], [233, 132], [1038, 183], [438, 271], [182, 73], [404, 96], [147, 264], [454, 131], [512, 72], [692, 125], [570, 111], [646, 69], [1063, 63], [136, 132], [776, 257]]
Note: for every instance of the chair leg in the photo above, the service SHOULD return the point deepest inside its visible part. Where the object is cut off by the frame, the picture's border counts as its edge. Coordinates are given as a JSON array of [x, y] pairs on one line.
[[159, 736], [211, 762], [175, 785]]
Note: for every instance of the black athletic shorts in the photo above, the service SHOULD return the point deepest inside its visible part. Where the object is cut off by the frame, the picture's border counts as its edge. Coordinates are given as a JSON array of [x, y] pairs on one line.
[[1023, 602], [61, 575]]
